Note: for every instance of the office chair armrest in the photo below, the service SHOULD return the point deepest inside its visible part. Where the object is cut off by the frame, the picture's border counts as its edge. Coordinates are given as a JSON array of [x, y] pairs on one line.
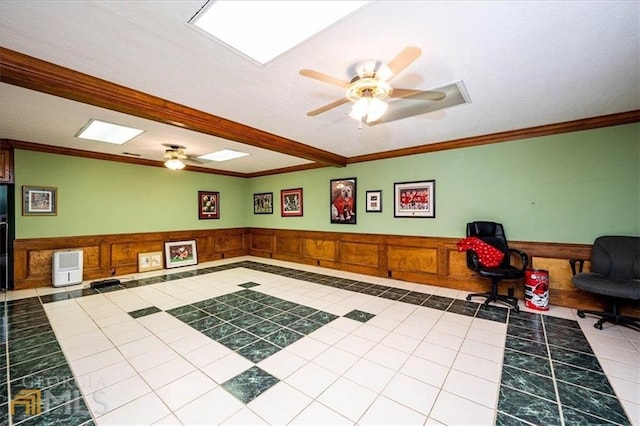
[[572, 263], [472, 256], [524, 257]]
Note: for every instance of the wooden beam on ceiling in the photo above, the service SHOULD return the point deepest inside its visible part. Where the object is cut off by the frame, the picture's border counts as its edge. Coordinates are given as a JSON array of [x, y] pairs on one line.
[[25, 71]]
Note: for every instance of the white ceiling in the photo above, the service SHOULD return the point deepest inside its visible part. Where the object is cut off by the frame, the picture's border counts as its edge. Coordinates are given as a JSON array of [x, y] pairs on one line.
[[522, 64]]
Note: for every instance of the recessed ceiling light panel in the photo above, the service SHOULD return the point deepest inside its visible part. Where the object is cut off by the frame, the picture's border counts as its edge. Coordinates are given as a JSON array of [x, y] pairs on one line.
[[263, 30], [103, 131], [223, 155]]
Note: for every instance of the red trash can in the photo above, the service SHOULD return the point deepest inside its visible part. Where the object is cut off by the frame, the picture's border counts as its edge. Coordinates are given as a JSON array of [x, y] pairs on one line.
[[536, 289]]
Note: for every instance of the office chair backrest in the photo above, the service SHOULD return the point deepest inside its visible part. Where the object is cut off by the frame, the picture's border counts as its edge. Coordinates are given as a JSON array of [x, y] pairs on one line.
[[491, 233], [616, 257]]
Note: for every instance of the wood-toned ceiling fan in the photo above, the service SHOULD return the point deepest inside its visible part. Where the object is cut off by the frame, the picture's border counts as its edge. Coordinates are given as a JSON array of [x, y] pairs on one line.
[[174, 154], [369, 90]]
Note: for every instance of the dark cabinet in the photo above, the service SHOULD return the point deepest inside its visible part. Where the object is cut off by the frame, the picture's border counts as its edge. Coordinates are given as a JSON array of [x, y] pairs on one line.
[[6, 165]]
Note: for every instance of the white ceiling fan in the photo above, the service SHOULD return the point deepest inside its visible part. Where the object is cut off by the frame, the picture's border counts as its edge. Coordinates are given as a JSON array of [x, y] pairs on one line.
[[373, 98]]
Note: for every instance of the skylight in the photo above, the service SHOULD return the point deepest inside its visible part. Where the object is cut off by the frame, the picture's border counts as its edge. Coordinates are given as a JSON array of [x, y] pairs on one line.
[[103, 131], [263, 30], [223, 155]]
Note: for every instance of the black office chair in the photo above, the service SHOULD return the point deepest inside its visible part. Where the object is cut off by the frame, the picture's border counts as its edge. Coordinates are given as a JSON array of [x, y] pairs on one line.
[[615, 274], [492, 233]]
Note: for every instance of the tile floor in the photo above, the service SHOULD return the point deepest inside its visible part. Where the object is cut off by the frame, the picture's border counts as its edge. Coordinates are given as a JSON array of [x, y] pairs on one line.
[[255, 341]]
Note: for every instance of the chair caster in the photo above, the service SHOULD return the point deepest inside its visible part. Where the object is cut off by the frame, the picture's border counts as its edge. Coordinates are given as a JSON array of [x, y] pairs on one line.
[[468, 298], [581, 314], [598, 325], [516, 308]]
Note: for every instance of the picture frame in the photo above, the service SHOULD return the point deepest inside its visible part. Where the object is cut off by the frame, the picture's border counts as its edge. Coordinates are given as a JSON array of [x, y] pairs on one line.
[[415, 199], [374, 201], [180, 253], [151, 261], [291, 202], [39, 201], [263, 203], [343, 199], [208, 205]]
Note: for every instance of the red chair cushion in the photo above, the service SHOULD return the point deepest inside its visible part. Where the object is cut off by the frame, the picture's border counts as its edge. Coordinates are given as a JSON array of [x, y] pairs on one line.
[[488, 255]]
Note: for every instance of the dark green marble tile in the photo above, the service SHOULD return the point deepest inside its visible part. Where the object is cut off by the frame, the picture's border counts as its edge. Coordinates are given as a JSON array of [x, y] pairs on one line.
[[581, 377], [256, 296], [107, 289], [463, 307], [220, 331], [238, 340], [42, 379], [305, 326], [35, 316], [205, 303], [205, 323], [503, 419], [33, 352], [550, 321], [493, 313], [526, 346], [239, 303], [303, 311], [374, 290], [357, 287], [527, 362], [72, 413], [525, 381], [249, 285], [251, 306], [527, 407], [578, 418], [535, 334], [264, 328], [29, 323], [217, 308], [438, 302], [268, 312], [394, 294], [230, 314], [152, 280], [359, 315], [181, 310], [578, 344], [144, 312], [415, 298], [285, 305], [525, 316], [563, 332], [323, 317], [52, 396], [258, 350], [228, 297], [36, 365], [283, 337], [193, 315], [590, 362], [246, 320], [4, 394], [591, 402], [17, 344], [284, 318], [247, 385]]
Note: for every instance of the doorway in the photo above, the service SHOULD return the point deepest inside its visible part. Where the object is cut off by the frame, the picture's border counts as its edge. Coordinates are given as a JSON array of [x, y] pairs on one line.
[[7, 235]]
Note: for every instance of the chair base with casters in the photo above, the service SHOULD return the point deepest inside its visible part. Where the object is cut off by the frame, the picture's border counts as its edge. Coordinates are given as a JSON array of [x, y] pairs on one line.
[[493, 296], [614, 275], [612, 316]]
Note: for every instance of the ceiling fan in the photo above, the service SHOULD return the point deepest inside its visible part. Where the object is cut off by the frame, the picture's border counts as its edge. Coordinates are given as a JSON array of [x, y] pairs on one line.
[[174, 155], [370, 90]]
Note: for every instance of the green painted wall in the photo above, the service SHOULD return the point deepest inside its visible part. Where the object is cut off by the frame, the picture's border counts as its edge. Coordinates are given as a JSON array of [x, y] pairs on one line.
[[566, 188], [106, 197]]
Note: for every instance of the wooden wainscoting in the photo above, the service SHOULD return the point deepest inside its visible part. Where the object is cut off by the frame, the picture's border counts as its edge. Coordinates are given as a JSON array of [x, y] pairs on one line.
[[426, 260], [119, 252]]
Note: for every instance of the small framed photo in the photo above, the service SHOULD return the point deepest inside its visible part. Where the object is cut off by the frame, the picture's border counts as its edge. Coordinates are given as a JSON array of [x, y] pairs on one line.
[[149, 261], [180, 253], [374, 202], [291, 202], [343, 201], [263, 203], [208, 205], [39, 201], [415, 199]]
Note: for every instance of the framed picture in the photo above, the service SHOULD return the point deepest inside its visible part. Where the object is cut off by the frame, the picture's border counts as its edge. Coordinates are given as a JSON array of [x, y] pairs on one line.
[[208, 205], [415, 199], [343, 200], [149, 261], [263, 203], [39, 201], [180, 253], [374, 202], [291, 202]]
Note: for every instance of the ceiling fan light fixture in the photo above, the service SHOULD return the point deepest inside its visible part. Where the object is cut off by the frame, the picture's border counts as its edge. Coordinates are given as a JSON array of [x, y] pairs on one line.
[[174, 164], [376, 109]]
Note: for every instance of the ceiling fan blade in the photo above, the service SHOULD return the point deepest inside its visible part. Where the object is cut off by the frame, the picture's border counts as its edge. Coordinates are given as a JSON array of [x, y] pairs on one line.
[[317, 75], [409, 107], [425, 95], [327, 107], [194, 160], [403, 60]]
